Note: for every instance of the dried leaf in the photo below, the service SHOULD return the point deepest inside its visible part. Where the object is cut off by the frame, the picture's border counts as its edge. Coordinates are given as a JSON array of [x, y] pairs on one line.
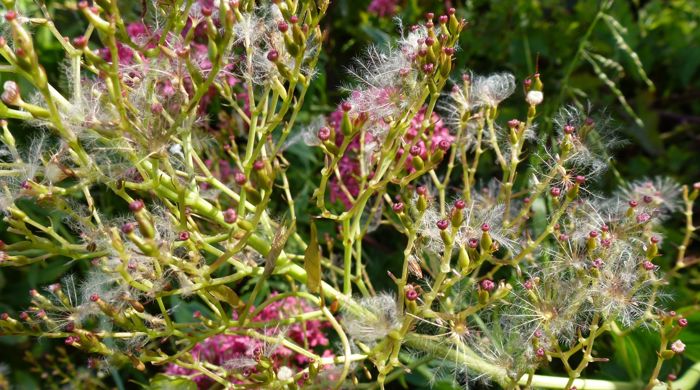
[[278, 244]]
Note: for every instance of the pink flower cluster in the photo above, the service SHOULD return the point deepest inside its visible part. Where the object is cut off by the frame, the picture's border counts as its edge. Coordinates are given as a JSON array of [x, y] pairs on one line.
[[240, 353], [383, 8], [349, 165]]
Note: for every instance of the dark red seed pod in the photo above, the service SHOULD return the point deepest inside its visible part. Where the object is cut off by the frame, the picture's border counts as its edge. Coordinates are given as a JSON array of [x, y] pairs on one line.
[[346, 106], [443, 224], [127, 228], [94, 298], [136, 205], [230, 216], [460, 204], [443, 19], [184, 236], [282, 26]]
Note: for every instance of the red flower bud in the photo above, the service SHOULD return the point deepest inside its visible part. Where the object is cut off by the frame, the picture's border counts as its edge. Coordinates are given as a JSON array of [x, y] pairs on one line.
[[443, 224], [324, 133], [346, 106], [80, 42], [282, 26], [230, 216], [411, 294], [239, 178], [273, 55], [397, 207], [127, 228], [460, 204]]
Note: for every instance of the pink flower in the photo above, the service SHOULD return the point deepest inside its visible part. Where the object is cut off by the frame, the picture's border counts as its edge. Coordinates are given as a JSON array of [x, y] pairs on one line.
[[349, 164], [383, 8], [241, 351]]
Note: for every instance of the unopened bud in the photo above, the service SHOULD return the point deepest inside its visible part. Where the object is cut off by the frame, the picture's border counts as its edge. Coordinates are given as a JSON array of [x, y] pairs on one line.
[[230, 215], [11, 94]]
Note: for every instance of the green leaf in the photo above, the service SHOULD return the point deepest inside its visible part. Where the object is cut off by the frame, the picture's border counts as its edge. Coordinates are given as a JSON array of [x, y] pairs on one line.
[[690, 336], [312, 262], [628, 353], [164, 382]]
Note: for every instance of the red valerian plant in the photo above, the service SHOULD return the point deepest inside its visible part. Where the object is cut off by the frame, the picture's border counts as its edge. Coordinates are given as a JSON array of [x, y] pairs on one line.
[[499, 277]]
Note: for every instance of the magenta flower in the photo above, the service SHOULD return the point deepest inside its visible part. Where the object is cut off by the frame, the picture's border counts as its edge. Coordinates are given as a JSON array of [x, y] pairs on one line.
[[239, 351], [383, 8], [349, 164]]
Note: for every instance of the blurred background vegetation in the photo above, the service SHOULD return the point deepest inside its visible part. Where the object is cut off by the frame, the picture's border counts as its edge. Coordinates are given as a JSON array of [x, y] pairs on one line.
[[637, 60]]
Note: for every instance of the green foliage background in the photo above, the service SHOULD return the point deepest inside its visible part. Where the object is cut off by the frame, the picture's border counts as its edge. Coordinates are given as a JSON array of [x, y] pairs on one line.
[[554, 37]]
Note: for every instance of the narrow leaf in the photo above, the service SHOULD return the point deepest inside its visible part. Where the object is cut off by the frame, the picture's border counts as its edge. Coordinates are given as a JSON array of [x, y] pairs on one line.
[[312, 262]]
